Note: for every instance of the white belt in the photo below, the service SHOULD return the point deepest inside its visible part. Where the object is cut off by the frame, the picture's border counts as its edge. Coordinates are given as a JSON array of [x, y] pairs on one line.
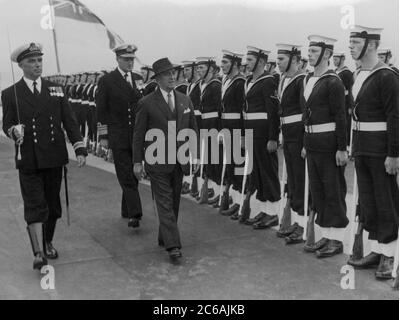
[[210, 115], [85, 102], [92, 104], [291, 119], [321, 128], [369, 126], [256, 116], [346, 92], [231, 116], [197, 113]]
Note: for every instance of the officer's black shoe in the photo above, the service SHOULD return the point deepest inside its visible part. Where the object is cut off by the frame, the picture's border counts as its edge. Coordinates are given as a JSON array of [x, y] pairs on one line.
[[185, 191], [333, 248], [384, 271], [257, 219], [214, 201], [194, 194], [50, 252], [39, 262], [284, 233], [266, 223], [317, 246], [296, 237], [134, 223], [230, 212], [369, 262]]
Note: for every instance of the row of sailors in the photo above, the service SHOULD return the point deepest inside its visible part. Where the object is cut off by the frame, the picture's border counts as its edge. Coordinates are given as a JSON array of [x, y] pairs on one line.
[[313, 111]]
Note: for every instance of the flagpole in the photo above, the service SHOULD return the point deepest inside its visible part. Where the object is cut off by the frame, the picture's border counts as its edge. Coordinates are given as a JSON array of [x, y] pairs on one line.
[[57, 58]]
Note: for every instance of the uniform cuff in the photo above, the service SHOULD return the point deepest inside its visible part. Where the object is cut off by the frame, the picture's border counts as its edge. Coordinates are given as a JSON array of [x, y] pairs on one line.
[[393, 152]]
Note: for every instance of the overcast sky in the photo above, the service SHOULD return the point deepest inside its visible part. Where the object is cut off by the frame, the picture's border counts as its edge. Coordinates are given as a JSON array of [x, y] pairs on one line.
[[185, 29]]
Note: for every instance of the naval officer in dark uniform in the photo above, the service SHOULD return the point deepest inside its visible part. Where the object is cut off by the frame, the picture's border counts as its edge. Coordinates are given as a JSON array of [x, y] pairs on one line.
[[36, 113], [116, 100]]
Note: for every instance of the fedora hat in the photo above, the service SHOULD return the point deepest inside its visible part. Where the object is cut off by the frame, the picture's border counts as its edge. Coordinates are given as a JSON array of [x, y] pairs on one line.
[[161, 66]]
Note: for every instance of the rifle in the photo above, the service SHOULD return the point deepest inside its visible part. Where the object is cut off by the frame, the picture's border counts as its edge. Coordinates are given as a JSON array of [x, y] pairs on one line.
[[244, 205], [204, 189], [306, 203], [221, 193], [395, 272], [286, 215]]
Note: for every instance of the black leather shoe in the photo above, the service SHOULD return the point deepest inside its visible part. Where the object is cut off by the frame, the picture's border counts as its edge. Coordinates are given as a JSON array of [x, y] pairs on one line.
[[175, 254], [385, 268], [194, 194], [266, 223], [134, 223], [258, 218], [283, 233], [214, 201], [369, 262], [39, 262], [211, 193], [333, 248], [235, 216], [228, 213], [296, 237], [50, 252], [317, 246]]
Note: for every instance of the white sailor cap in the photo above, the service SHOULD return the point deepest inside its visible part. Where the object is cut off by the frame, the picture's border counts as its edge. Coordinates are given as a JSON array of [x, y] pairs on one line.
[[291, 49], [366, 33], [189, 63], [272, 60], [206, 60], [146, 67], [322, 41], [384, 51], [28, 50], [339, 54], [126, 51], [232, 56], [254, 51]]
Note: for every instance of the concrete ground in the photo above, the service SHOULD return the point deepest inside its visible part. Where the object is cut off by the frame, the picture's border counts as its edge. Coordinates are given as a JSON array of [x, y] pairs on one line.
[[100, 258]]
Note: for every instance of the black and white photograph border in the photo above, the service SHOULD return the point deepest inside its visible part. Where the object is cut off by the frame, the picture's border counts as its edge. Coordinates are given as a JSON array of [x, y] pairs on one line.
[[295, 196]]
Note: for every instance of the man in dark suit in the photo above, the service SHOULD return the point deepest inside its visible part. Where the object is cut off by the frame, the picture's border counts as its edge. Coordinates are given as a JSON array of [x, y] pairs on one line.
[[36, 113], [170, 112], [117, 99]]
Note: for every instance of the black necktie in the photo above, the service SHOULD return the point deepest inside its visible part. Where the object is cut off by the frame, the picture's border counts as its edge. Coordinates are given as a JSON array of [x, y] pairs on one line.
[[35, 91], [127, 80]]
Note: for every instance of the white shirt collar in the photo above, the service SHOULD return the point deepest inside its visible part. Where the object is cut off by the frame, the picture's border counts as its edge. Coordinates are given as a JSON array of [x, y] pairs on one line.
[[29, 83], [129, 74], [165, 95]]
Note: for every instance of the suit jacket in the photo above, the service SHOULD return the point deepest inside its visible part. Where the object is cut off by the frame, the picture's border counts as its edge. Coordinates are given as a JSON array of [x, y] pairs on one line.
[[45, 118], [378, 101], [116, 104], [154, 113], [326, 104]]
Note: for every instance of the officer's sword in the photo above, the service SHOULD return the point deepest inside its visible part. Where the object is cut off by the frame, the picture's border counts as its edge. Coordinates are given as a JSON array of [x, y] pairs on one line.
[[18, 144], [67, 196]]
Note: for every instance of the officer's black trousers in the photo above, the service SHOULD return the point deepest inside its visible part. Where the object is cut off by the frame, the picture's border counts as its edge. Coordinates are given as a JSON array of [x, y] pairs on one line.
[[328, 188], [295, 165], [92, 123], [166, 188], [131, 203], [378, 199], [41, 195]]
